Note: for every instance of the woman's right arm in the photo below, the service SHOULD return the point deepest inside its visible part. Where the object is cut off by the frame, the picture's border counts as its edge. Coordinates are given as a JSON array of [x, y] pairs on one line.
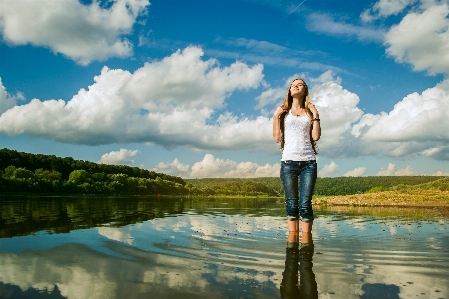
[[277, 134]]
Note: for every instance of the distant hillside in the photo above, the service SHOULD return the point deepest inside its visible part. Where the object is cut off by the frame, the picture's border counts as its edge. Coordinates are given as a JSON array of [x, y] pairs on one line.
[[323, 187], [441, 184], [66, 165], [25, 172], [358, 185]]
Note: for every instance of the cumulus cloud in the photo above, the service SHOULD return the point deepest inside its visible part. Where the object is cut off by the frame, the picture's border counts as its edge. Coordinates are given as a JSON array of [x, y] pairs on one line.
[[338, 110], [441, 173], [7, 101], [324, 23], [385, 8], [81, 32], [270, 96], [359, 171], [180, 101], [422, 39], [437, 153], [211, 167], [392, 171], [168, 102], [328, 170], [123, 156], [253, 170], [410, 127], [174, 168]]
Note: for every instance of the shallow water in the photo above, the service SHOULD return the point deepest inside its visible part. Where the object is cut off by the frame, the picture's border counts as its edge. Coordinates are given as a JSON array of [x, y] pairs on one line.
[[136, 247]]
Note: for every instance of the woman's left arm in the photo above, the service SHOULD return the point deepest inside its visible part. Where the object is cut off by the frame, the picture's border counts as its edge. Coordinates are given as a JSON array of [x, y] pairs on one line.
[[316, 128]]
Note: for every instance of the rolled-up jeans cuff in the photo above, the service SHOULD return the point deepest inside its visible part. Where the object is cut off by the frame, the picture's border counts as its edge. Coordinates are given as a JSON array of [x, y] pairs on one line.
[[307, 220]]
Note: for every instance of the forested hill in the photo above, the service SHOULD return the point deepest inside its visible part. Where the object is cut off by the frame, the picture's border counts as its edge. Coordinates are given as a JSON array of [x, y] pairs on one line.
[[323, 187], [66, 165], [25, 172]]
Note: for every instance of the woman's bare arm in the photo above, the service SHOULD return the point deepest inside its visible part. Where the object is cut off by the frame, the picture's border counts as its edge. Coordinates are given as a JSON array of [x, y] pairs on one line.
[[277, 134], [316, 127]]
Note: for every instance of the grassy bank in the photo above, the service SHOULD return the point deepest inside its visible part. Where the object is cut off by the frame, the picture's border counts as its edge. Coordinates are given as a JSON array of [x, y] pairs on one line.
[[411, 198]]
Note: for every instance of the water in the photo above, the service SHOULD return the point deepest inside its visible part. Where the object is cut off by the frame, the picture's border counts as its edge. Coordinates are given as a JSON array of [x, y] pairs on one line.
[[137, 247]]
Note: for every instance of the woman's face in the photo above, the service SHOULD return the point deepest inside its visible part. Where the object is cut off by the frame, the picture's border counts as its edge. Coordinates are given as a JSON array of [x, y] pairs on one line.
[[298, 87]]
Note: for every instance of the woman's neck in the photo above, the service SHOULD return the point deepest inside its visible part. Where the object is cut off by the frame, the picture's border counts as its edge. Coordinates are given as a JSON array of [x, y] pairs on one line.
[[298, 104]]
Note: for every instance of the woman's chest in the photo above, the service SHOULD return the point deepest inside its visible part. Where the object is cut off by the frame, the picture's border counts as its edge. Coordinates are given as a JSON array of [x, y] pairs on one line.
[[297, 123]]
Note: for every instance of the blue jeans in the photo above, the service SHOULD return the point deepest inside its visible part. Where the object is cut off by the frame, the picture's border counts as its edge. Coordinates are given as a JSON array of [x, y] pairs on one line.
[[299, 202]]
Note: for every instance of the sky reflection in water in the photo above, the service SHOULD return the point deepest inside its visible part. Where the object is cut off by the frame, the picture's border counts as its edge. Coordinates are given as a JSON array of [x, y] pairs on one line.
[[232, 249]]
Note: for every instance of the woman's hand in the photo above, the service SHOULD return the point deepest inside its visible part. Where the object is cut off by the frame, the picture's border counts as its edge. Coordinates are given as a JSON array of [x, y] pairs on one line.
[[279, 111]]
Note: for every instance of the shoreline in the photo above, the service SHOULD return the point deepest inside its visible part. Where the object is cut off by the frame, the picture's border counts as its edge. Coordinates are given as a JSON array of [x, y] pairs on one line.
[[410, 198]]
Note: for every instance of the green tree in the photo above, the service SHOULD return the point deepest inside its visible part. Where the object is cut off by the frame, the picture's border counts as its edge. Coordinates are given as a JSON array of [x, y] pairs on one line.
[[22, 173], [9, 171], [48, 175], [80, 177]]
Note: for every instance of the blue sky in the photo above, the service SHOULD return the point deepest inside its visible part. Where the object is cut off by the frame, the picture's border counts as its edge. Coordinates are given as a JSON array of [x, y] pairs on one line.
[[188, 88]]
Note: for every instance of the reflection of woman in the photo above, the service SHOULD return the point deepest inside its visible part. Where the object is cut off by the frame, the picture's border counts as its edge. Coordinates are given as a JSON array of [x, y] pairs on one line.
[[299, 259], [296, 125]]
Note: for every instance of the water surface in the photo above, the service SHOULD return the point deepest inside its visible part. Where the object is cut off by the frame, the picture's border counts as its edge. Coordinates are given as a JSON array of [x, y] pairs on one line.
[[137, 247]]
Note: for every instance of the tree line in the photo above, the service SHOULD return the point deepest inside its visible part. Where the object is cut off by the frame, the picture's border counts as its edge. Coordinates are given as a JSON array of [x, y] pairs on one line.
[[324, 186], [25, 172]]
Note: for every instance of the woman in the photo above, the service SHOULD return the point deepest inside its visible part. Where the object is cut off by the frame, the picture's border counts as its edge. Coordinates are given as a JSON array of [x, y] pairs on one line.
[[296, 125]]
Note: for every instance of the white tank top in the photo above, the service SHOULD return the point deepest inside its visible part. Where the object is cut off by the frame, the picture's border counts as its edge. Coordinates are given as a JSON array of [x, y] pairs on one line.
[[297, 145]]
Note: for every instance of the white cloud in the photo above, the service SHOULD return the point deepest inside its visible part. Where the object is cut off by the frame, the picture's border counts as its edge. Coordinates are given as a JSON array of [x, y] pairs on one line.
[[392, 171], [123, 156], [385, 8], [413, 128], [324, 23], [437, 153], [174, 168], [338, 110], [441, 173], [328, 170], [359, 171], [269, 96], [215, 167], [8, 101], [168, 102], [327, 76], [211, 167], [422, 39], [177, 102], [81, 32], [416, 121], [254, 170]]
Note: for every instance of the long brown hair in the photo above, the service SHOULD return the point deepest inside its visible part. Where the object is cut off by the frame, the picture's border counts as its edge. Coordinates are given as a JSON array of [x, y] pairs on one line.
[[287, 106]]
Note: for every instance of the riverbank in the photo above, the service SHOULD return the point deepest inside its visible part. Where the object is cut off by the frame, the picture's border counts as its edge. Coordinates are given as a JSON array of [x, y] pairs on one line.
[[410, 198]]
